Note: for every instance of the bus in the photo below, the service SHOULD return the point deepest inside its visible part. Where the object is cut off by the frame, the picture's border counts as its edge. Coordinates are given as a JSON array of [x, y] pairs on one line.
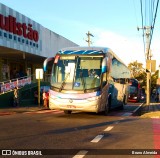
[[134, 90], [88, 79]]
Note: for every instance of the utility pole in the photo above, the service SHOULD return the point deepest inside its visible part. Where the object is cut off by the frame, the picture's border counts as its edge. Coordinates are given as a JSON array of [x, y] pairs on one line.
[[88, 38], [147, 30]]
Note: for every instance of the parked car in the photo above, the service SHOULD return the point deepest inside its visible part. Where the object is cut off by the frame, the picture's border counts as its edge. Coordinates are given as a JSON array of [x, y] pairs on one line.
[[143, 96]]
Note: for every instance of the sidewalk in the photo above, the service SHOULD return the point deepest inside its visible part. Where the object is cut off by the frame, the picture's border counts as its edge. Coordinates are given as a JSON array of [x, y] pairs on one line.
[[21, 109], [150, 111]]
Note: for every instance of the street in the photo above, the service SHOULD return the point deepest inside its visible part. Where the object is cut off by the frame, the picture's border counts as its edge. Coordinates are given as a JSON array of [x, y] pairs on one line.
[[80, 132]]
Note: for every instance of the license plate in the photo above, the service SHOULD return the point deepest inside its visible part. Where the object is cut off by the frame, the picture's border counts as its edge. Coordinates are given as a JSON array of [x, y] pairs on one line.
[[71, 106]]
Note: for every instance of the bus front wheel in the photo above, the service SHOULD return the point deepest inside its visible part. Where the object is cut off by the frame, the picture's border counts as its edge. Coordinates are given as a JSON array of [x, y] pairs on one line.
[[67, 111]]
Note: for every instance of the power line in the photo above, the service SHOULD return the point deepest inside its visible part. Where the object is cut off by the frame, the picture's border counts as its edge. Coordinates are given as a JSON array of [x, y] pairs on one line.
[[153, 24], [149, 26], [148, 34], [142, 26]]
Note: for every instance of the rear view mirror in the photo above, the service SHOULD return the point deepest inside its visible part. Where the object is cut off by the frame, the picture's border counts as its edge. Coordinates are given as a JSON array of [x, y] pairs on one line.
[[46, 62], [104, 65]]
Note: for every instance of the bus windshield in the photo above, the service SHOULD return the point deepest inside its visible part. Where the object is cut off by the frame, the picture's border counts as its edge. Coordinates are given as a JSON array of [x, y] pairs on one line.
[[76, 72]]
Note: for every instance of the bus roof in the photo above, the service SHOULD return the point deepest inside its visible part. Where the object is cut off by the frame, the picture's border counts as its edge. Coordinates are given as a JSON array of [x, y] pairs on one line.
[[83, 50], [89, 50]]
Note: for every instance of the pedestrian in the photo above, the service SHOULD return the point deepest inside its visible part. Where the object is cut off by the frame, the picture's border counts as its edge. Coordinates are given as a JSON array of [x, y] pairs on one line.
[[16, 97], [45, 99], [36, 97], [157, 97]]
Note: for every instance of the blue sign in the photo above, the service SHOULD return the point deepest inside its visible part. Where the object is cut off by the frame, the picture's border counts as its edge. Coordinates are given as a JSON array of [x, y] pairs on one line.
[[77, 84]]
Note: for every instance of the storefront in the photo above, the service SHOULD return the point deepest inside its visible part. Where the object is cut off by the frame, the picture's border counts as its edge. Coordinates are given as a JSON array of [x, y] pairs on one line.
[[24, 44]]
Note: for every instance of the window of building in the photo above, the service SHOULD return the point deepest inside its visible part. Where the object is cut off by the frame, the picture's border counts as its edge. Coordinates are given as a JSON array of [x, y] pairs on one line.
[[15, 38], [5, 35], [10, 36]]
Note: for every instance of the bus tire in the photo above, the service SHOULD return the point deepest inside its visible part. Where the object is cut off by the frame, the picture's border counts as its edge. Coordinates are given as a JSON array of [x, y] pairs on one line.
[[67, 111]]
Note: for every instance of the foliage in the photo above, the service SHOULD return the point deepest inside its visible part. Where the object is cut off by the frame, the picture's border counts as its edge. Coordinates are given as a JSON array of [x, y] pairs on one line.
[[136, 68], [154, 78], [139, 73]]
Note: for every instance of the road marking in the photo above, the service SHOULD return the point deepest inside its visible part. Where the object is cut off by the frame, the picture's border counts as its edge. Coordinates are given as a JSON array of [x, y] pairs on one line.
[[44, 111], [108, 128], [80, 154], [127, 114], [156, 136], [116, 122], [6, 113], [97, 138]]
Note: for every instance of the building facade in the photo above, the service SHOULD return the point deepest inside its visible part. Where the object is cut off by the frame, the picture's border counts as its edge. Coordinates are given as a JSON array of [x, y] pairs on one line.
[[24, 44]]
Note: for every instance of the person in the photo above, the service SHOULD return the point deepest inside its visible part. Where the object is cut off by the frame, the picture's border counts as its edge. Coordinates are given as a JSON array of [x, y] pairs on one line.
[[157, 97], [45, 99], [36, 97], [92, 73], [16, 97]]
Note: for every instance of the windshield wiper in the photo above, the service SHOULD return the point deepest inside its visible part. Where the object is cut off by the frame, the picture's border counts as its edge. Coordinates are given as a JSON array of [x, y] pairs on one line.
[[64, 82], [82, 79]]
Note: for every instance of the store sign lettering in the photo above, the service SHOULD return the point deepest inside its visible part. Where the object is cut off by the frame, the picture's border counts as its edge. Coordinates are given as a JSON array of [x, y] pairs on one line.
[[9, 23]]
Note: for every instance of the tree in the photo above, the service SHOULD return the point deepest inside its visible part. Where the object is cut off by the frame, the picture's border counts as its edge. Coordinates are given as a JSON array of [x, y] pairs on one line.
[[136, 68], [154, 78], [138, 72]]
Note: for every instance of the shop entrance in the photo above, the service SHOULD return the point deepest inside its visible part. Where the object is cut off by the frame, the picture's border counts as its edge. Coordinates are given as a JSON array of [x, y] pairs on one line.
[[17, 70]]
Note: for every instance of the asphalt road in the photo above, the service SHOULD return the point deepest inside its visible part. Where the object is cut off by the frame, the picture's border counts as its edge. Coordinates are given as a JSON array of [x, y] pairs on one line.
[[93, 135]]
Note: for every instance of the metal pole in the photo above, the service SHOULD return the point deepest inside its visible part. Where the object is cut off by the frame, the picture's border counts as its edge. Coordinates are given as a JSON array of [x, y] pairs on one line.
[[39, 89], [148, 88], [148, 73], [88, 38]]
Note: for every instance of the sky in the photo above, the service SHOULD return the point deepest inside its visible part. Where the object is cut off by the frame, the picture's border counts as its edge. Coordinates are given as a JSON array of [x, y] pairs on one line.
[[113, 23]]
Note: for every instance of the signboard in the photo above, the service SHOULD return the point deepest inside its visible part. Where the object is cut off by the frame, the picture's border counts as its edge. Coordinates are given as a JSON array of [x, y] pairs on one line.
[[39, 73], [151, 65], [11, 85]]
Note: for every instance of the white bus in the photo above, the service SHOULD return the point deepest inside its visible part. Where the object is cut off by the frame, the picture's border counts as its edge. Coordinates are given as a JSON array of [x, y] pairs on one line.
[[89, 79]]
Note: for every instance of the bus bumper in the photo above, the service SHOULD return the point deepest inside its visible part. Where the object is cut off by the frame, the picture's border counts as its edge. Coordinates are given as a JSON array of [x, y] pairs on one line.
[[86, 105]]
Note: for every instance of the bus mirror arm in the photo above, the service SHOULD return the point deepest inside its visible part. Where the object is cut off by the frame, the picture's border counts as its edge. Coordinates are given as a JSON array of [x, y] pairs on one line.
[[46, 62], [104, 65]]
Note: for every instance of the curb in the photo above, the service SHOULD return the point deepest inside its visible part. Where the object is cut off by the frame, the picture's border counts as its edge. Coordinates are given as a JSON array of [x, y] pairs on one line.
[[21, 109], [137, 111], [146, 109]]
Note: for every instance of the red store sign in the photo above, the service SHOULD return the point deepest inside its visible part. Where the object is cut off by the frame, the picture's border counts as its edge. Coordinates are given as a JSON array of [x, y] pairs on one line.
[[9, 23]]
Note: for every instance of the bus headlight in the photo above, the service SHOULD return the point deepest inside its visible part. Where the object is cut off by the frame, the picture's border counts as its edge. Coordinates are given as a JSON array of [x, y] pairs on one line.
[[93, 98]]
